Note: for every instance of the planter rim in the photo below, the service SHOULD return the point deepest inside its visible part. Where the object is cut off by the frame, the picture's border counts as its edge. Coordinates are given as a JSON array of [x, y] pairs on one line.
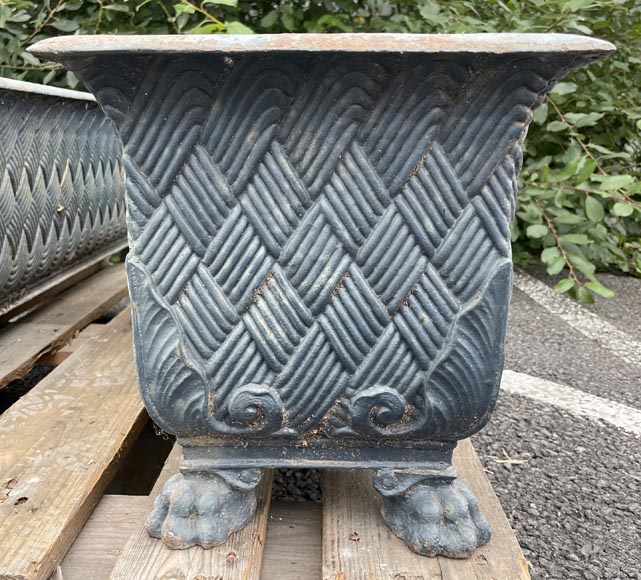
[[25, 87], [480, 43]]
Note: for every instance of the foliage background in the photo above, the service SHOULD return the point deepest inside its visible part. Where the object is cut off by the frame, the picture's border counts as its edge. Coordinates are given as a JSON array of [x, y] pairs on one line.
[[580, 202]]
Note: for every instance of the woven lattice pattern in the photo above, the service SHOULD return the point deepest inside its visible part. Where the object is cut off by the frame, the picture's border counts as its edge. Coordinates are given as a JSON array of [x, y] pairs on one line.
[[61, 187], [321, 241]]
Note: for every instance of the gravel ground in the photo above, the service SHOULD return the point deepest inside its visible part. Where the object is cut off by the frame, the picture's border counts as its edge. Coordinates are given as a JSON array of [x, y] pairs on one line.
[[575, 501], [297, 485]]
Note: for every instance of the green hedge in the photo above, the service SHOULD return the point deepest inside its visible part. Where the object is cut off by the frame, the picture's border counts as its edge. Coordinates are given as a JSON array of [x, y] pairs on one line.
[[580, 202]]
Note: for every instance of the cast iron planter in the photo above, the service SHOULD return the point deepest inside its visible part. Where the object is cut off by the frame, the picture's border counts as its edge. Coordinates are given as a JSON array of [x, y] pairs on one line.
[[320, 255], [62, 193]]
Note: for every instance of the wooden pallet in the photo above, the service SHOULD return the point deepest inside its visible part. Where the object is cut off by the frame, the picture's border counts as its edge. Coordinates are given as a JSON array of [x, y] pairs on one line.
[[62, 442]]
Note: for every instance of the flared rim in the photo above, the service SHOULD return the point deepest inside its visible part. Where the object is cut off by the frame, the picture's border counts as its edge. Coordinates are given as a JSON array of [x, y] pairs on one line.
[[476, 43], [34, 88]]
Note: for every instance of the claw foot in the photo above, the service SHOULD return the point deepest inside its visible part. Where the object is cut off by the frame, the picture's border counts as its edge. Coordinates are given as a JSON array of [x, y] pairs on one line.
[[433, 515], [203, 508]]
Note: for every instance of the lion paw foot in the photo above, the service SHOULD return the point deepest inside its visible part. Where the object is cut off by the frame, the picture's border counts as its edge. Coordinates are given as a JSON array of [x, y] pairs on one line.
[[203, 509], [434, 516]]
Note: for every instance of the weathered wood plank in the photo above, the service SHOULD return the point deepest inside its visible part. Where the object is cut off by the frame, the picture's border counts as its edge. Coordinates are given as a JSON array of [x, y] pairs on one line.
[[96, 549], [357, 545], [292, 546], [75, 342], [45, 330], [114, 521], [293, 541], [60, 445], [240, 558]]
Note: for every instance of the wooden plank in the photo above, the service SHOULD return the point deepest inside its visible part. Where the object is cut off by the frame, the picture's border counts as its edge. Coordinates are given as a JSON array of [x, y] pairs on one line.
[[45, 330], [292, 546], [88, 333], [115, 519], [169, 468], [293, 541], [240, 558], [351, 510], [97, 547], [61, 444]]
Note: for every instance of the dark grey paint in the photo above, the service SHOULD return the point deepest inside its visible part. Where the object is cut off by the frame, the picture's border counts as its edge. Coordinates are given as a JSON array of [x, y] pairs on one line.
[[320, 262]]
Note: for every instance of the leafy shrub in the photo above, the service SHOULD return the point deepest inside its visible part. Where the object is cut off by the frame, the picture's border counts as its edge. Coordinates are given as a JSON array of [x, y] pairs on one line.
[[580, 202]]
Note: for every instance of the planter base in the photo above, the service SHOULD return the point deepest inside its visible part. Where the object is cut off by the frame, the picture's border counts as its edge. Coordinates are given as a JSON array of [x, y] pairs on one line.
[[424, 505], [434, 514], [203, 508]]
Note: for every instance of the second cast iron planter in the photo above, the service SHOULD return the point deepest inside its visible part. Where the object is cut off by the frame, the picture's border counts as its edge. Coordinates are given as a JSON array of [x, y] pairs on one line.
[[62, 194], [320, 255]]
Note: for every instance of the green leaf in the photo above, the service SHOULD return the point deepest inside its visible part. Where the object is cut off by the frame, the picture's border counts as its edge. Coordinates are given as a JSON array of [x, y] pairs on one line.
[[536, 231], [568, 171], [622, 209], [579, 262], [575, 5], [600, 289], [564, 89], [564, 285], [72, 80], [64, 25], [555, 266], [583, 119], [182, 19], [550, 254], [206, 28], [540, 114], [236, 27], [184, 9], [578, 239], [587, 168], [269, 19], [117, 8], [556, 126], [233, 3], [569, 219], [593, 209], [584, 295], [613, 182]]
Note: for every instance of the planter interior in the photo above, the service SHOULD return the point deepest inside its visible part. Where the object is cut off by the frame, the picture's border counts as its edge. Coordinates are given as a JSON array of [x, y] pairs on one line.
[[320, 263], [62, 194]]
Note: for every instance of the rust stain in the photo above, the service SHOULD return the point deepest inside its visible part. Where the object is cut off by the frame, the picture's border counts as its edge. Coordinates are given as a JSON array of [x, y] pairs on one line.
[[523, 563], [262, 287], [501, 43]]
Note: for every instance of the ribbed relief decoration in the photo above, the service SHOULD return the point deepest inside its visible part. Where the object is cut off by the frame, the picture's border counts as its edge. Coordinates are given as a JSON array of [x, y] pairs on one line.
[[61, 187], [320, 242]]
